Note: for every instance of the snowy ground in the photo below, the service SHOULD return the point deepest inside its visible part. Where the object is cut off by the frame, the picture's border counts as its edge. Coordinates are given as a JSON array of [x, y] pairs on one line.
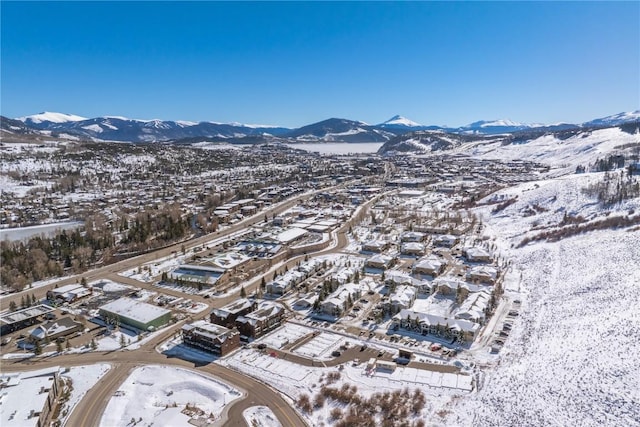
[[287, 334], [159, 395], [260, 416], [571, 356], [321, 346], [294, 380], [175, 347], [83, 378], [582, 149]]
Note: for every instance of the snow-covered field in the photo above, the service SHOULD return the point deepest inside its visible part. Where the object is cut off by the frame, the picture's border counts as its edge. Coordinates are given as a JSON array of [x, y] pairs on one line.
[[339, 147], [321, 346], [571, 356], [287, 334], [260, 416], [294, 380], [160, 395]]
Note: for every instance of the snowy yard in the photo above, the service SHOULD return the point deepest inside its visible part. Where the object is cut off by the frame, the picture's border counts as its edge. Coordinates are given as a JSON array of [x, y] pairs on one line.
[[167, 396], [260, 416]]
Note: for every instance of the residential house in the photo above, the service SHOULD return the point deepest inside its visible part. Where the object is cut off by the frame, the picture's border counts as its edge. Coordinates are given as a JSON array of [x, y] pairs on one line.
[[412, 249], [426, 323], [483, 274], [340, 300], [402, 298], [267, 317], [226, 316], [376, 246], [475, 254], [49, 331], [412, 236], [380, 261], [429, 266], [446, 240]]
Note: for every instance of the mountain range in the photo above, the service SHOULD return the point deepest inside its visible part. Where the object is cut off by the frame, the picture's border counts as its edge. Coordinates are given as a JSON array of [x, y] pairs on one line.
[[114, 128]]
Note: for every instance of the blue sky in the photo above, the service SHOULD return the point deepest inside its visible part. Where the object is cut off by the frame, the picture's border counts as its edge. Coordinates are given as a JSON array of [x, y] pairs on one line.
[[292, 64]]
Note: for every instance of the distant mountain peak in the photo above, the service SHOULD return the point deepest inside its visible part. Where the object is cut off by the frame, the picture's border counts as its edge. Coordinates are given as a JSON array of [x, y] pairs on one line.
[[398, 120], [48, 116], [615, 119], [495, 123]]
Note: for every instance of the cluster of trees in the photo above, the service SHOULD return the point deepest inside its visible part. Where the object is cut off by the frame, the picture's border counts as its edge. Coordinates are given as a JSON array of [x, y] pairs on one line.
[[77, 250], [40, 258], [155, 228], [25, 302], [614, 188], [388, 409], [574, 229]]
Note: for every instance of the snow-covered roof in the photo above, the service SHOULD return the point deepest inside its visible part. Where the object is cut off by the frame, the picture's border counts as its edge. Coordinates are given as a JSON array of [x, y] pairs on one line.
[[204, 328], [135, 310], [24, 314], [403, 295], [429, 263], [291, 234], [233, 307], [265, 310], [23, 395], [53, 328], [412, 247], [428, 319]]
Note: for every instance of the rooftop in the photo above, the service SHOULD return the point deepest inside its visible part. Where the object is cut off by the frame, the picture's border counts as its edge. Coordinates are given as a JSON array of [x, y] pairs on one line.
[[135, 310]]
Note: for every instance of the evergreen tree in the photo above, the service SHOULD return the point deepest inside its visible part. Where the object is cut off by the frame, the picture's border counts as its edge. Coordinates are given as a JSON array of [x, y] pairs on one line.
[[94, 346], [123, 341], [83, 282], [34, 300], [13, 306], [22, 302], [243, 293], [58, 346], [68, 345], [263, 283], [38, 348]]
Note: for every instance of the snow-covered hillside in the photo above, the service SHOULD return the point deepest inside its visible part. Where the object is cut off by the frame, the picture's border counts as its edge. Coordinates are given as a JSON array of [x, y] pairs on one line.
[[581, 149], [571, 355]]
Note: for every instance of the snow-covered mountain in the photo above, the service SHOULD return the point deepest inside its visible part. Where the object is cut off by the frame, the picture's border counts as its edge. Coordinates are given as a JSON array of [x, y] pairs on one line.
[[335, 130], [115, 128], [398, 120], [495, 126], [50, 117], [615, 119]]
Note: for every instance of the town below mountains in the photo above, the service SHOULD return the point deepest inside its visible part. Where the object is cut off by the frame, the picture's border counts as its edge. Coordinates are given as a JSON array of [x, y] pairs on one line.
[[122, 129], [481, 276]]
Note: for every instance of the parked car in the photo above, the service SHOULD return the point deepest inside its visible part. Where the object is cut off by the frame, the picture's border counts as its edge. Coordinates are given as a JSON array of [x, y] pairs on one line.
[[336, 353]]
